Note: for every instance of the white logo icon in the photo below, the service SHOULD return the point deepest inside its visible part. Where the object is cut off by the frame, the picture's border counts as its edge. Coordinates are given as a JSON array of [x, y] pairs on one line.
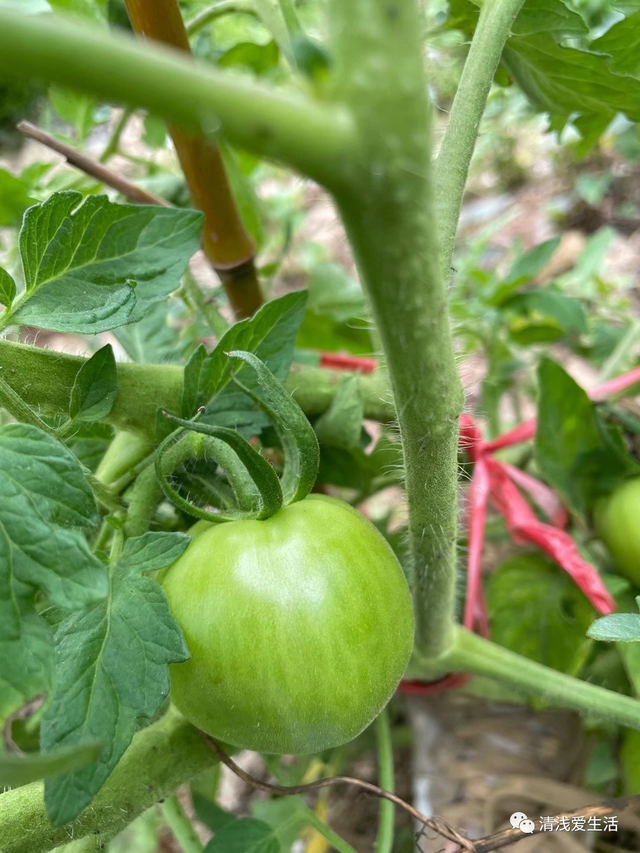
[[527, 825], [516, 819]]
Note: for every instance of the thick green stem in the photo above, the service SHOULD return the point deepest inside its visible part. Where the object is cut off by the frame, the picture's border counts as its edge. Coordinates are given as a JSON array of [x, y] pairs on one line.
[[388, 211], [309, 135], [125, 451], [384, 838], [452, 169], [474, 654], [160, 758], [181, 826], [44, 378]]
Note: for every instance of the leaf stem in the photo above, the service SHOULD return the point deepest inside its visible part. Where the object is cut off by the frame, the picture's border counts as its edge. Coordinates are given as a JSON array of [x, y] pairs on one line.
[[312, 136], [384, 838], [206, 306], [113, 143], [335, 840], [181, 826], [452, 167], [477, 655], [18, 409], [217, 10]]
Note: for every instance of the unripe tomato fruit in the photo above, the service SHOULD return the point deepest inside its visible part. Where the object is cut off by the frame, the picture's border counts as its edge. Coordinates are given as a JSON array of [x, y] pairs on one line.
[[299, 627], [617, 521]]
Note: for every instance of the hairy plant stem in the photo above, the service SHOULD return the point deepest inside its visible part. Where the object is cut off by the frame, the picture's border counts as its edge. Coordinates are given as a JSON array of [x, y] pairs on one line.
[[387, 207], [44, 378], [18, 409], [482, 657], [310, 135], [452, 165], [385, 835], [160, 758]]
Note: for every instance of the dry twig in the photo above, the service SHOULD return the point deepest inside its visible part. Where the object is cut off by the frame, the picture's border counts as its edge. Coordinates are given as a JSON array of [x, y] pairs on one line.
[[496, 841], [92, 167]]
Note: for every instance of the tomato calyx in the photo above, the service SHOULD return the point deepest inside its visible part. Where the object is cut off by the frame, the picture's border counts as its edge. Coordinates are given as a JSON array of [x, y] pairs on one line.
[[258, 491]]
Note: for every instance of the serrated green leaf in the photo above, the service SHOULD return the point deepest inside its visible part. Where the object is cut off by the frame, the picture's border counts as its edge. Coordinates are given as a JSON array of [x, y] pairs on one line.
[[552, 614], [548, 16], [576, 452], [42, 486], [155, 338], [622, 43], [17, 770], [563, 80], [112, 671], [81, 261], [49, 474], [153, 551], [270, 335], [255, 335], [95, 387], [7, 288], [616, 628], [244, 836]]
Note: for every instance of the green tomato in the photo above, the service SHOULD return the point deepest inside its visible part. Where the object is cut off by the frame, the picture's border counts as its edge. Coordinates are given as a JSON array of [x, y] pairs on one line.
[[617, 521], [299, 627]]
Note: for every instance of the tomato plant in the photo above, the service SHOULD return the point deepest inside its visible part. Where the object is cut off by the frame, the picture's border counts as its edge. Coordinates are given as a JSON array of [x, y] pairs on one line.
[[235, 510], [300, 628]]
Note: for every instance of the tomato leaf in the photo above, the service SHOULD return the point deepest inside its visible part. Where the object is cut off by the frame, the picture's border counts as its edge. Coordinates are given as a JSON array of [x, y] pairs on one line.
[[20, 770], [153, 551], [82, 261], [7, 288], [112, 671], [43, 494], [270, 334], [617, 627], [244, 836], [577, 453], [563, 80], [622, 43], [553, 615], [95, 387]]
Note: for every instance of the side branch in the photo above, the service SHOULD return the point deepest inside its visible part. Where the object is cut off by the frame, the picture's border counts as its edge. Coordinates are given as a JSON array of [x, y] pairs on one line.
[[310, 136], [452, 169], [44, 378], [160, 758]]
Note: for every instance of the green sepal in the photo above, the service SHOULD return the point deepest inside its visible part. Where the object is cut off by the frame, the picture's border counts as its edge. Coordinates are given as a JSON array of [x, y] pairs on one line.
[[269, 492], [299, 441]]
